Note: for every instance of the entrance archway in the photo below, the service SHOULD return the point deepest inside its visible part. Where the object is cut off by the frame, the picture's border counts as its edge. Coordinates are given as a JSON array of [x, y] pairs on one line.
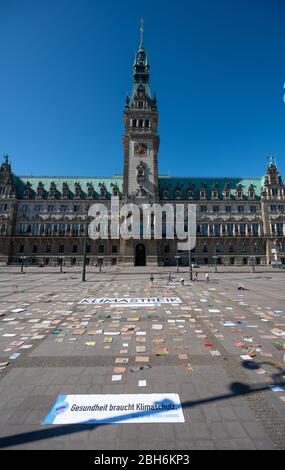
[[140, 258]]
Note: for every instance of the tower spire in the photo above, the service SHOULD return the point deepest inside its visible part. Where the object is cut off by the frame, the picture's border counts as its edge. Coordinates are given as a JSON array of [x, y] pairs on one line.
[[142, 31]]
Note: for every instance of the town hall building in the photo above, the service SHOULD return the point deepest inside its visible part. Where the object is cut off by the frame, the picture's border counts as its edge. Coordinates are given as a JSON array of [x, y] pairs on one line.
[[43, 219]]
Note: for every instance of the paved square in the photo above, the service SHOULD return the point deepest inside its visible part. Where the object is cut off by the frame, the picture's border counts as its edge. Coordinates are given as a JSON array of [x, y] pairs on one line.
[[221, 350]]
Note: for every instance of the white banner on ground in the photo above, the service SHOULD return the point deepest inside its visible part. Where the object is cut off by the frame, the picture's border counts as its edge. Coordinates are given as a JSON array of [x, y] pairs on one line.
[[134, 408], [133, 301]]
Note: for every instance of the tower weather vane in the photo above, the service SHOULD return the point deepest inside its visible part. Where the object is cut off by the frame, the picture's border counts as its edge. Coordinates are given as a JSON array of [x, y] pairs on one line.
[[142, 29], [271, 158]]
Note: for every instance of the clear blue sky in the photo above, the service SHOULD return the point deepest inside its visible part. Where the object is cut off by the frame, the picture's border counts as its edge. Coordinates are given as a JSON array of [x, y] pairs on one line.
[[218, 68]]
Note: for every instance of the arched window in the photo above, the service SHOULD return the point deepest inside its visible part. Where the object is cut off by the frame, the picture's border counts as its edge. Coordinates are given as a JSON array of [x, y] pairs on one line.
[[218, 248], [256, 248]]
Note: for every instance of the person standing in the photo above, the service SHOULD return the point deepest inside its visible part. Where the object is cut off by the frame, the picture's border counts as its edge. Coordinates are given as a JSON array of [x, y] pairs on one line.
[[151, 280], [207, 277], [182, 281]]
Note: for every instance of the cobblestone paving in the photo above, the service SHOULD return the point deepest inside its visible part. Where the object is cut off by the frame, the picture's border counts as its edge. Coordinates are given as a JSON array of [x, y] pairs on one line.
[[228, 401]]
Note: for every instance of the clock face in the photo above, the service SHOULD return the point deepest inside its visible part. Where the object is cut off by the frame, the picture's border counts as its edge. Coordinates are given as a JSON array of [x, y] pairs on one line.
[[140, 149]]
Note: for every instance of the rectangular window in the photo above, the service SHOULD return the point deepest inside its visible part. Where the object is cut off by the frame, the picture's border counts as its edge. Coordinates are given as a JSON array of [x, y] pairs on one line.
[[74, 248], [279, 228], [216, 208], [114, 249], [51, 208], [76, 208], [49, 228], [240, 209], [101, 248], [204, 230], [23, 228], [63, 208], [230, 230], [36, 229], [203, 209], [61, 248], [254, 229], [253, 209], [217, 230], [228, 209], [75, 229], [62, 229]]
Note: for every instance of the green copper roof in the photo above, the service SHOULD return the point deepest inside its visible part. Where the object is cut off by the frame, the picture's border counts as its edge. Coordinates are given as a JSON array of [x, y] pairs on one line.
[[171, 183], [21, 181], [183, 182]]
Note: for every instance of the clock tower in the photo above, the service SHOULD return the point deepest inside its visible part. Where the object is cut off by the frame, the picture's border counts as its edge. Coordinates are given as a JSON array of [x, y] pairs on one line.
[[141, 141]]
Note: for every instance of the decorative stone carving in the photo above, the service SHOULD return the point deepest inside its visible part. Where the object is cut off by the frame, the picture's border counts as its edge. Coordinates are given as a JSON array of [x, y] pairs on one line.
[[40, 190], [65, 190], [90, 191], [103, 191], [28, 190], [141, 172], [78, 190], [115, 190], [140, 192], [52, 190]]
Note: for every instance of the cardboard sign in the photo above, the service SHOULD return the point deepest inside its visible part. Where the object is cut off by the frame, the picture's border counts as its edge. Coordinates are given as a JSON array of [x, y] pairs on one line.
[[129, 408], [132, 301]]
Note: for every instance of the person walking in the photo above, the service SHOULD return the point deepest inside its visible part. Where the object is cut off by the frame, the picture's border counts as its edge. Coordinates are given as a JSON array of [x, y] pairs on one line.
[[151, 280], [196, 276], [169, 277], [207, 278], [182, 281]]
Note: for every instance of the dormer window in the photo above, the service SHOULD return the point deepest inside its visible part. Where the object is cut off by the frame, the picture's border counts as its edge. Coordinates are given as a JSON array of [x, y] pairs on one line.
[[214, 192], [165, 193], [203, 192], [239, 192], [251, 192], [178, 193]]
